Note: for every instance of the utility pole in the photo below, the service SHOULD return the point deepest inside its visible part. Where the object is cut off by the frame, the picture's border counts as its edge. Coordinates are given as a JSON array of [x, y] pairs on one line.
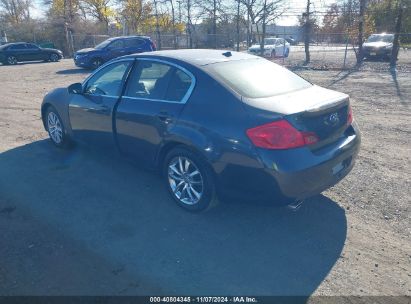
[[248, 23], [307, 30], [189, 24], [361, 31], [396, 42], [238, 26]]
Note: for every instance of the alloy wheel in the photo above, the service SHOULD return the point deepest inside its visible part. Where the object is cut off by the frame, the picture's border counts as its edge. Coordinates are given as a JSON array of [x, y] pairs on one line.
[[54, 57], [185, 180], [55, 127], [12, 60]]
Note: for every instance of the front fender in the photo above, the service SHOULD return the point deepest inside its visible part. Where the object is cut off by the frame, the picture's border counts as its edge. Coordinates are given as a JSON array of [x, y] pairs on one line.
[[59, 99]]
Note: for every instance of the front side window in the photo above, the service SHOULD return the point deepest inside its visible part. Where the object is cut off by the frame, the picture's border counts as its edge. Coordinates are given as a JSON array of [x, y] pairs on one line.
[[159, 81], [18, 47], [133, 42], [109, 80]]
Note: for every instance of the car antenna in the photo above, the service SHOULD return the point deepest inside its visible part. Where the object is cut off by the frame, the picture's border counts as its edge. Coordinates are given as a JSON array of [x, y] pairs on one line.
[[227, 54]]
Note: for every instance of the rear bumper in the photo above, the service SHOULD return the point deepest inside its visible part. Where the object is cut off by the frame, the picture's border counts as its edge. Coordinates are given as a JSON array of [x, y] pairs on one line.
[[283, 176], [301, 173]]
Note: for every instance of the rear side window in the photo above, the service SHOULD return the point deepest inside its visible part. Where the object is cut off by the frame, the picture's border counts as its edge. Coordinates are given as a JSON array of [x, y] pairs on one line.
[[116, 44], [257, 78], [179, 84], [159, 81], [133, 42]]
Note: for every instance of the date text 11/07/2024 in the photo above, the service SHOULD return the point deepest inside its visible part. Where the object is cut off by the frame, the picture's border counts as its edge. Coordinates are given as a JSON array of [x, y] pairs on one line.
[[203, 300]]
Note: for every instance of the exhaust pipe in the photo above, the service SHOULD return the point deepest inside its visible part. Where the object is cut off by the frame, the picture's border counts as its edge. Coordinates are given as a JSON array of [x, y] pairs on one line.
[[294, 206]]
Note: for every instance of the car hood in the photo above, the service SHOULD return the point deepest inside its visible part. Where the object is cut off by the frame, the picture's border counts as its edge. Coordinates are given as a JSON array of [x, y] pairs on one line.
[[87, 50], [312, 98], [377, 44]]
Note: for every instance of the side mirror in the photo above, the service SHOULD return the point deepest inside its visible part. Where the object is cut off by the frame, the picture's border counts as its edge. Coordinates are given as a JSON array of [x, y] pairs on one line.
[[75, 88]]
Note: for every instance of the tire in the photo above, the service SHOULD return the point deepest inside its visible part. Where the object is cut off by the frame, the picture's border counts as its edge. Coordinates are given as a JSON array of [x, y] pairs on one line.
[[11, 60], [287, 52], [96, 63], [190, 190], [55, 128], [54, 57], [272, 55]]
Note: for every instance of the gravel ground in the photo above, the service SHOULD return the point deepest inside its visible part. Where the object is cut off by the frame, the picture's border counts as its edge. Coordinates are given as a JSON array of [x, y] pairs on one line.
[[80, 223]]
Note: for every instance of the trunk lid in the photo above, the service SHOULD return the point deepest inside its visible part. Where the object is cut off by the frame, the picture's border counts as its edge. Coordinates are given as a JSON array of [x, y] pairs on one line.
[[315, 109]]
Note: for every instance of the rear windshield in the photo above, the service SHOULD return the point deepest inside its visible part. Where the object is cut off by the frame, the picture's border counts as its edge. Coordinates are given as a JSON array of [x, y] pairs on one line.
[[257, 78]]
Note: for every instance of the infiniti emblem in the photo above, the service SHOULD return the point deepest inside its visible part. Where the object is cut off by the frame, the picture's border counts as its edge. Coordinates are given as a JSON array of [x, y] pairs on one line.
[[332, 120]]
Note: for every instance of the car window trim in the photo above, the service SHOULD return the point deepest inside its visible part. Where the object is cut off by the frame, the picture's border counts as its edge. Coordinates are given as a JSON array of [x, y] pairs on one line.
[[125, 77], [187, 95]]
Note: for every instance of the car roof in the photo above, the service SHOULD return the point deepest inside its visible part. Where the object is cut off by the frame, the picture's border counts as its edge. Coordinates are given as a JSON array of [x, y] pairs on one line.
[[129, 37], [198, 57]]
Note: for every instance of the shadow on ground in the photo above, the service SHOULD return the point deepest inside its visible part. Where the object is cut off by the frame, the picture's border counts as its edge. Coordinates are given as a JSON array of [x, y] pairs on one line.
[[101, 217], [73, 71]]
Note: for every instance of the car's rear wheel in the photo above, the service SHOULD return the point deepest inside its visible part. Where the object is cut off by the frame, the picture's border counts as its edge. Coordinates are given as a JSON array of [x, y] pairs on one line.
[[287, 52], [54, 57], [56, 129], [189, 180], [96, 63], [12, 60]]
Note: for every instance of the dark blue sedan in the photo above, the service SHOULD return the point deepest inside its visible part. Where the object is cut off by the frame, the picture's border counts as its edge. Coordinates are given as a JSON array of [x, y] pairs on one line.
[[92, 58], [212, 122]]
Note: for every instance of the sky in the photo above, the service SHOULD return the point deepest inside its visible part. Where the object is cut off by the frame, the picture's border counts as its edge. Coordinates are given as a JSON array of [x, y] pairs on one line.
[[294, 9]]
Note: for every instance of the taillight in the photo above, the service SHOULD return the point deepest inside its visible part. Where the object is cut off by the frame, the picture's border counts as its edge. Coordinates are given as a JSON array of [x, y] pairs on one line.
[[350, 117], [280, 135], [153, 45]]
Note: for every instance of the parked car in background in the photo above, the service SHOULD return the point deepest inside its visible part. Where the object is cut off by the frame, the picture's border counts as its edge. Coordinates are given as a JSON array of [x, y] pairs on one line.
[[379, 46], [111, 48], [12, 53], [273, 47], [212, 122]]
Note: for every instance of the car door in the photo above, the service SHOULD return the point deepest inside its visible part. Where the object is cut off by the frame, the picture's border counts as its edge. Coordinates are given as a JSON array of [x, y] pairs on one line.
[[155, 95], [33, 52], [91, 112], [115, 49], [18, 51], [279, 47]]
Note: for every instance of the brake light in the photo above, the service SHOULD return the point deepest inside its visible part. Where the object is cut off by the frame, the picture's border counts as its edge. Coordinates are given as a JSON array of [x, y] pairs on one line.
[[350, 116], [280, 135], [153, 45]]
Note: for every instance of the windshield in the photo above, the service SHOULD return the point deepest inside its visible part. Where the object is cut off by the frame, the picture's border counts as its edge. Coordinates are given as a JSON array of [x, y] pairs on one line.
[[384, 38], [103, 44], [257, 78]]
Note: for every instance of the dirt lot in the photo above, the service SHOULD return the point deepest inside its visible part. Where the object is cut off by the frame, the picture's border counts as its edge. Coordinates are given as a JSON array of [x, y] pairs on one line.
[[77, 222]]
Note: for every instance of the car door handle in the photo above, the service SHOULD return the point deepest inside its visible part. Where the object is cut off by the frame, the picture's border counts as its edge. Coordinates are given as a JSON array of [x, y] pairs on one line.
[[165, 117]]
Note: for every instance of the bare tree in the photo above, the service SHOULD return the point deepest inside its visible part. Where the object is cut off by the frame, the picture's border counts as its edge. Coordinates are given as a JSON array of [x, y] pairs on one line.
[[15, 11]]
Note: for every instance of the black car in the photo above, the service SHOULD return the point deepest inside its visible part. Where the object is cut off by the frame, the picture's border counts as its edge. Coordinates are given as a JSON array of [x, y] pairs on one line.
[[213, 122], [12, 53], [378, 46]]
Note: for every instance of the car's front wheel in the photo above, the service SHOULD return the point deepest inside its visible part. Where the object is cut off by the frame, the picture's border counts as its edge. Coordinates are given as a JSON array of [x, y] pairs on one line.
[[56, 129], [54, 57], [96, 63], [12, 60], [189, 180], [272, 55]]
